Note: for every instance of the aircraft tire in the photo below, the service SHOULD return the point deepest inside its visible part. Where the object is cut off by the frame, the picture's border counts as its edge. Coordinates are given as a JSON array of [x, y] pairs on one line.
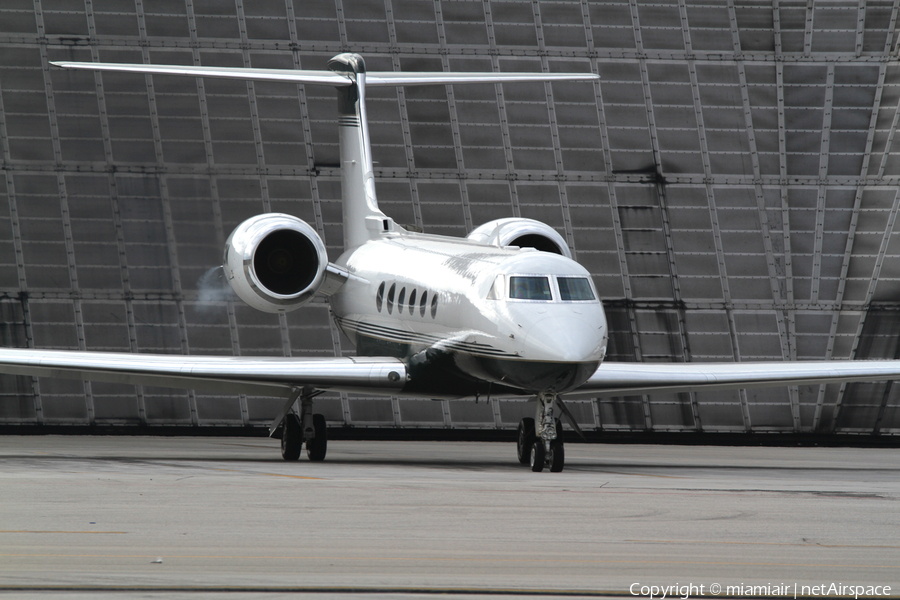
[[524, 440], [291, 437], [537, 456], [557, 456], [316, 447]]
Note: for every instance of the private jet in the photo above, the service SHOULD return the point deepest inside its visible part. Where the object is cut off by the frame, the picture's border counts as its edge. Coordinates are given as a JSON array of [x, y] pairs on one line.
[[503, 313]]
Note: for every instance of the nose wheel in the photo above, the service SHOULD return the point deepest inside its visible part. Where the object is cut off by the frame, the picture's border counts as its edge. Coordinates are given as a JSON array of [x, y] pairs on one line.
[[557, 454], [555, 459], [539, 441], [538, 456]]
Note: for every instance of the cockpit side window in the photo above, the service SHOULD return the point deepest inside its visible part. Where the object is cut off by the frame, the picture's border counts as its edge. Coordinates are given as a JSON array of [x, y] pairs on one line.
[[574, 289], [529, 288]]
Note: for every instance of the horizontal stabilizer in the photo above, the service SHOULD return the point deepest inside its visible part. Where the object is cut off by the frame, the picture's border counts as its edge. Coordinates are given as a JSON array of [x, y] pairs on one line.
[[296, 76], [385, 78], [375, 78]]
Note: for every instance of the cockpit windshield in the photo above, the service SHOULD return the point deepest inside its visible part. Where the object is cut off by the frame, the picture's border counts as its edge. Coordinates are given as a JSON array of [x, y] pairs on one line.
[[574, 289], [542, 288], [530, 288]]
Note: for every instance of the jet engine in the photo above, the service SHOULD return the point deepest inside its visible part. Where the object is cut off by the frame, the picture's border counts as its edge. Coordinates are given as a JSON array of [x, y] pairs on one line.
[[525, 233], [275, 262]]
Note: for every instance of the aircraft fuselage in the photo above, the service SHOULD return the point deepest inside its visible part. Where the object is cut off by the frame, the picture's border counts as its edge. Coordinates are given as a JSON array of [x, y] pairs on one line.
[[471, 318]]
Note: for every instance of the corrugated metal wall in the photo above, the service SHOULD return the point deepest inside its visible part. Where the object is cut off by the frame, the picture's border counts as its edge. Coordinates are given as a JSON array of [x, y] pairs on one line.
[[732, 184]]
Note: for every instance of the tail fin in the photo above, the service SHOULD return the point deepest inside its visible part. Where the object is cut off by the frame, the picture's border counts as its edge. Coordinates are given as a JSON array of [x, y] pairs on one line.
[[362, 218]]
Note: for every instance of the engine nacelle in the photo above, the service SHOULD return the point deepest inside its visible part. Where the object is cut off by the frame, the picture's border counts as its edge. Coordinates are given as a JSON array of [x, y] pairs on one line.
[[275, 262], [525, 233]]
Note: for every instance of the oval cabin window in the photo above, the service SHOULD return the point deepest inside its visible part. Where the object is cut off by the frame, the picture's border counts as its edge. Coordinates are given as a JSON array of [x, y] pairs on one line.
[[379, 297]]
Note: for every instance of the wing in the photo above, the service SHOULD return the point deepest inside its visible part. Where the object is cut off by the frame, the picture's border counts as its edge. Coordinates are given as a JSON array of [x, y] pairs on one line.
[[225, 374], [628, 379]]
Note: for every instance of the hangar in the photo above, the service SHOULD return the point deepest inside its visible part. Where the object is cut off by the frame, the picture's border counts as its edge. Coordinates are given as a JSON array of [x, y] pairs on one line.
[[732, 183]]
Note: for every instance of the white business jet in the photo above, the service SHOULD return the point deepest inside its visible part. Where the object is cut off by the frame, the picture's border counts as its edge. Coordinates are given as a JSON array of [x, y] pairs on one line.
[[504, 312]]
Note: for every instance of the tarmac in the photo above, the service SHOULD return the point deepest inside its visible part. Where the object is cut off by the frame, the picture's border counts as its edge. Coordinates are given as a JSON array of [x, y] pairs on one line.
[[154, 517]]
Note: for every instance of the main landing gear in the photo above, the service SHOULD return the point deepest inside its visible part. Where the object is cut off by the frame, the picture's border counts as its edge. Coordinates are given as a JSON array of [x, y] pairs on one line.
[[293, 434], [539, 441], [305, 427]]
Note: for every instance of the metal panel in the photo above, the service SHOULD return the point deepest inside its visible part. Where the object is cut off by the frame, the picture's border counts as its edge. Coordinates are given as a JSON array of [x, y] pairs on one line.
[[730, 182]]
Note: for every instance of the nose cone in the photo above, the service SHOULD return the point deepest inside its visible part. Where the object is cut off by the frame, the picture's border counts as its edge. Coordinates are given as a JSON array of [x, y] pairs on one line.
[[558, 353], [564, 339]]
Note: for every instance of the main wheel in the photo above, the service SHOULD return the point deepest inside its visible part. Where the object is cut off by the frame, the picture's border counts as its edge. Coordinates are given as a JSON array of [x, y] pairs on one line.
[[316, 447], [537, 456], [291, 437], [524, 440], [557, 455]]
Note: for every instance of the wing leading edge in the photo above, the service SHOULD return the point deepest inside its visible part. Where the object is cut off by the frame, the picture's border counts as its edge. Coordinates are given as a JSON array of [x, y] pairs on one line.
[[628, 379], [268, 376]]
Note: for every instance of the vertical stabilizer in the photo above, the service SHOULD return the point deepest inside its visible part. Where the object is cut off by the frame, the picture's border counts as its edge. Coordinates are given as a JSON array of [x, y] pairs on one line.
[[362, 217]]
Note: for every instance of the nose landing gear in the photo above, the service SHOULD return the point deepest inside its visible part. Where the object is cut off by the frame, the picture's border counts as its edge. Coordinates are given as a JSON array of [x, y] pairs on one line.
[[554, 458], [539, 441]]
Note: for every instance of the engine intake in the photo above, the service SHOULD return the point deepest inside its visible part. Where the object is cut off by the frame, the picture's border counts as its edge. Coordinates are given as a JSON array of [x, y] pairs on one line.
[[525, 233], [275, 262]]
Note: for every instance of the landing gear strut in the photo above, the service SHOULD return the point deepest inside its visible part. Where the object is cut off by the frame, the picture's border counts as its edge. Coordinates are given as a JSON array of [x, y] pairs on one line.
[[305, 427], [539, 442]]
